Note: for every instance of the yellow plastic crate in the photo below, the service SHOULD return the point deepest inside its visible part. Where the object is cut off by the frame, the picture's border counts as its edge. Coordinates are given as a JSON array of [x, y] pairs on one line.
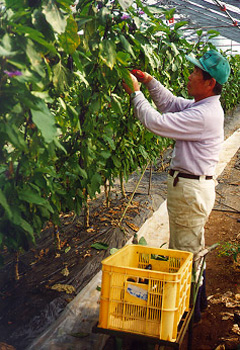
[[149, 302]]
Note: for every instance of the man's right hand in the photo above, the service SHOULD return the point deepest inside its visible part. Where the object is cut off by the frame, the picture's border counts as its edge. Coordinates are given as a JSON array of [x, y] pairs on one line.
[[142, 77], [136, 86]]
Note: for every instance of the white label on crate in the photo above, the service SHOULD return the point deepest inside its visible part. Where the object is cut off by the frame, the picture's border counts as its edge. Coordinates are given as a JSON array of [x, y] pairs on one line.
[[137, 292]]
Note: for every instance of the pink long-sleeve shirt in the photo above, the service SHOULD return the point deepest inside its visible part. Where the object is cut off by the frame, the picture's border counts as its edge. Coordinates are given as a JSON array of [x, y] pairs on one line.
[[197, 127]]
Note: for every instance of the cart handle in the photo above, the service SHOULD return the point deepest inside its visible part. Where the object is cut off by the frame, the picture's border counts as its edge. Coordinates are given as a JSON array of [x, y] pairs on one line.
[[205, 251]]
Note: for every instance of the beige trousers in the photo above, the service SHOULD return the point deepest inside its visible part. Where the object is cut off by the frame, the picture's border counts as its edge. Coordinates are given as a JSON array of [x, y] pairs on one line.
[[189, 205]]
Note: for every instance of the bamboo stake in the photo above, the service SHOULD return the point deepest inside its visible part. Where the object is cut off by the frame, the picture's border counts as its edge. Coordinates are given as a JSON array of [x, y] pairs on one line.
[[132, 195], [150, 179]]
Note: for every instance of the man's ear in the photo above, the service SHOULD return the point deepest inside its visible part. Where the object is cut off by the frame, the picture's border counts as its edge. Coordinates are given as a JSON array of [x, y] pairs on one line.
[[212, 83]]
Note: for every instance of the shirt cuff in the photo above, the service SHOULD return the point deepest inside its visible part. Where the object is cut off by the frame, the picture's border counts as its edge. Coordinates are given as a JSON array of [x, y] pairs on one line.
[[134, 94]]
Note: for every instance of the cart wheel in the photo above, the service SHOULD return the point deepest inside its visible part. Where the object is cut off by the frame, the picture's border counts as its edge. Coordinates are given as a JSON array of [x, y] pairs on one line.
[[118, 343], [159, 347]]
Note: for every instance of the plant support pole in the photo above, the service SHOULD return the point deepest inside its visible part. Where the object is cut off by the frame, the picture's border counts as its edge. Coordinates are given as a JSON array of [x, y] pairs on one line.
[[150, 179], [132, 195]]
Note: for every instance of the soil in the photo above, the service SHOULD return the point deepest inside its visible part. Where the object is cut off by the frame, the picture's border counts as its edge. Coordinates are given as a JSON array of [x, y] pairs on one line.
[[29, 305]]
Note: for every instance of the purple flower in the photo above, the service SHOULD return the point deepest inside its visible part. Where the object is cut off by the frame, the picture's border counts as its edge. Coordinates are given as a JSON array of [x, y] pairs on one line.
[[13, 74], [125, 17], [100, 5], [141, 12]]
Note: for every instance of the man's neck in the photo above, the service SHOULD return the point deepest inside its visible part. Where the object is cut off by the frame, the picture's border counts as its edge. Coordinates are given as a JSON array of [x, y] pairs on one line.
[[202, 97]]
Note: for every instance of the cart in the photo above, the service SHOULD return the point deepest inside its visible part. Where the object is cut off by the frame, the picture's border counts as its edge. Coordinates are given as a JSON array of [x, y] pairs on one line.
[[185, 324]]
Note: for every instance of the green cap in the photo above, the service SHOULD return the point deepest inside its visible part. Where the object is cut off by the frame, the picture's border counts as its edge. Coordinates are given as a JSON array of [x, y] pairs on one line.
[[213, 63]]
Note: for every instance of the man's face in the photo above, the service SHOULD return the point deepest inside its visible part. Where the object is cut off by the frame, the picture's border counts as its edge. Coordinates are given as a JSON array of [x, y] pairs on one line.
[[197, 86]]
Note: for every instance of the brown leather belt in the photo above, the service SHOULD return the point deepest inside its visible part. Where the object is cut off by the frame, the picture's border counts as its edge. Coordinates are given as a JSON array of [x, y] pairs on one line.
[[187, 176]]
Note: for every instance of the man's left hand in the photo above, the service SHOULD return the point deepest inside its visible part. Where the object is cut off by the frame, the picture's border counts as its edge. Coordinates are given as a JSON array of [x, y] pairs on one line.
[[136, 85]]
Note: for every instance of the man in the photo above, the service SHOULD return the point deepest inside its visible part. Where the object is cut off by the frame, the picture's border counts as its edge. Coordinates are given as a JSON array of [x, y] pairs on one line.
[[197, 127]]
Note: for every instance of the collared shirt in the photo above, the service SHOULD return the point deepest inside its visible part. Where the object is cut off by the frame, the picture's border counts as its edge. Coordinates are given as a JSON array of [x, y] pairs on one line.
[[197, 127]]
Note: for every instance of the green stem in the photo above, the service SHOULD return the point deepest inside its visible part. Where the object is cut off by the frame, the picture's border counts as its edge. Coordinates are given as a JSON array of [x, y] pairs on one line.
[[22, 154], [122, 184], [17, 277], [57, 237], [86, 215]]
